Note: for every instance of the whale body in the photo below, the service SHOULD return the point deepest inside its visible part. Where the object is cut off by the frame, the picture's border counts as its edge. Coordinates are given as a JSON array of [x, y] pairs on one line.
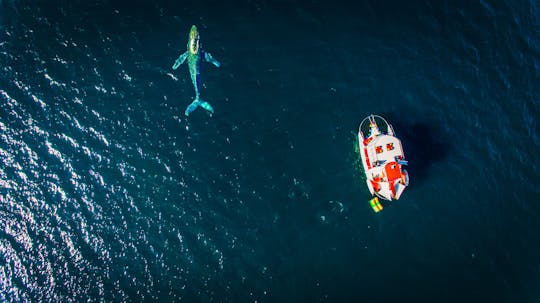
[[194, 56]]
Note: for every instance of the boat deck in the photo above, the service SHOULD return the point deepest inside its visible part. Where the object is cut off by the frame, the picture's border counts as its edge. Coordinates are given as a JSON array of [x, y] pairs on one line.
[[386, 149]]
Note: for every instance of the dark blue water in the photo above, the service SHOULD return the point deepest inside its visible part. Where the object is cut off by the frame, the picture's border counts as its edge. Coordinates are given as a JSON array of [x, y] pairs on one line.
[[108, 193]]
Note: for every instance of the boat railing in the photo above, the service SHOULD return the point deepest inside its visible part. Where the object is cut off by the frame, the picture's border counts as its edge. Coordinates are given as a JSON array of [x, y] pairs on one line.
[[390, 129], [367, 120]]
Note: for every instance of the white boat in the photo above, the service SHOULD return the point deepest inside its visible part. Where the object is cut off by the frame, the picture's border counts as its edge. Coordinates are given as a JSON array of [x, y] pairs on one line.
[[383, 158]]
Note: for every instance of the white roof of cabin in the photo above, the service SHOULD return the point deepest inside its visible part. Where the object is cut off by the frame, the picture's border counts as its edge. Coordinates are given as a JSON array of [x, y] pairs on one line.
[[386, 155]]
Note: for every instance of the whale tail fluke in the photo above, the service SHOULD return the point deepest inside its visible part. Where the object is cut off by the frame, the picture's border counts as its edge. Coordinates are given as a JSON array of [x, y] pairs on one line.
[[196, 103]]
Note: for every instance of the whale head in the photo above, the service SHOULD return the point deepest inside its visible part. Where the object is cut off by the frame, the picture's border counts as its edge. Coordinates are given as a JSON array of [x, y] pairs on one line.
[[193, 44]]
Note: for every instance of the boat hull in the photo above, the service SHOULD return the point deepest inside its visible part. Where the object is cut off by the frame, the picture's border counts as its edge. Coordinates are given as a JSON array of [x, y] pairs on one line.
[[382, 159]]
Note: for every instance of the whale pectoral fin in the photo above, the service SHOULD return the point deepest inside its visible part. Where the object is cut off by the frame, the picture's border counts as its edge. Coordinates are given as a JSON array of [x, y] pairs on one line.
[[196, 103], [180, 60], [208, 57]]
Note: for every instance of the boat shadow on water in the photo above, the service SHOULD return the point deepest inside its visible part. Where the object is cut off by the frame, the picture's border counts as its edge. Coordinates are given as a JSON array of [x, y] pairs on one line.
[[423, 144]]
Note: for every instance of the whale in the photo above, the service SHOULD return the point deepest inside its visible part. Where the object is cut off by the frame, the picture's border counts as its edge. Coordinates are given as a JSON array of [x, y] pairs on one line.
[[194, 56]]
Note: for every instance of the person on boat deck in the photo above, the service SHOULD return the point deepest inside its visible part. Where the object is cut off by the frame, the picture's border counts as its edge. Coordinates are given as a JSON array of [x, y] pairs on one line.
[[399, 160], [378, 162]]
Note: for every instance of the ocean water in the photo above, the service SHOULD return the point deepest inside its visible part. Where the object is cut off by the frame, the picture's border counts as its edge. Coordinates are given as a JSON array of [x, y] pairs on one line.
[[109, 194]]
